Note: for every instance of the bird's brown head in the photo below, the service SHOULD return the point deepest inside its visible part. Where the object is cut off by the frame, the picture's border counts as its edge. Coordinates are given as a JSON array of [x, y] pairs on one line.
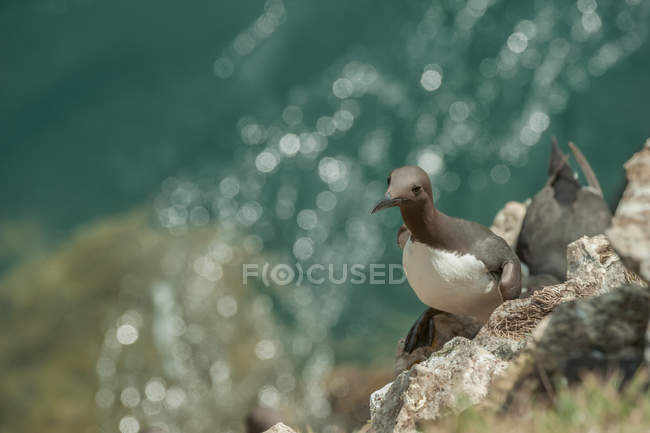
[[408, 187]]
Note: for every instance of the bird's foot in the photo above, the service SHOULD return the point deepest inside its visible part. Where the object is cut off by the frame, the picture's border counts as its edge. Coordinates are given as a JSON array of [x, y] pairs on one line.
[[423, 331]]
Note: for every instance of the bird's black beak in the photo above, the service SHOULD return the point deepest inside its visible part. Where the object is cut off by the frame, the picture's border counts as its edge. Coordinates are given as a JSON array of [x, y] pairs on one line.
[[386, 202]]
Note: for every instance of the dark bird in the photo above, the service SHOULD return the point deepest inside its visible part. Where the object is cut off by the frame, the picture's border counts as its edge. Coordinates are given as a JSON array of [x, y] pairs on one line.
[[561, 212], [453, 265]]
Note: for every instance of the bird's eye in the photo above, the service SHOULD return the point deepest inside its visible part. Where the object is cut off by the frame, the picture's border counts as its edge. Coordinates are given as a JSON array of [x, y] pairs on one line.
[[388, 180], [416, 189]]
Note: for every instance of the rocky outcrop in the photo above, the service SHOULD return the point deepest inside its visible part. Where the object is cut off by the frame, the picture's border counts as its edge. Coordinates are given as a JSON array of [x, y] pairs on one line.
[[280, 428], [630, 231], [461, 373], [607, 330], [451, 379], [507, 222], [601, 334], [593, 269]]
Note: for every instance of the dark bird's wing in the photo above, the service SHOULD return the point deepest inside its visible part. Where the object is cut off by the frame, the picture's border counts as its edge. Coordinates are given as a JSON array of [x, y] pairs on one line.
[[500, 260]]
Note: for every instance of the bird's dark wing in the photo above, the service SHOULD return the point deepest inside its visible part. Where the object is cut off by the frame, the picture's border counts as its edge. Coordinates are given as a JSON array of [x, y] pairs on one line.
[[498, 257], [494, 252], [469, 237]]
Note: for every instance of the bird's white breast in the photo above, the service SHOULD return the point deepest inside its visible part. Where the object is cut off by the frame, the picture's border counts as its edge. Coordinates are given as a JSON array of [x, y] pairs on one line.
[[455, 283]]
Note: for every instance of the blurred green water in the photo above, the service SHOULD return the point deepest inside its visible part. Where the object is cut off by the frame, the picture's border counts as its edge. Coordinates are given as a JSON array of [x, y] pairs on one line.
[[101, 102], [106, 106]]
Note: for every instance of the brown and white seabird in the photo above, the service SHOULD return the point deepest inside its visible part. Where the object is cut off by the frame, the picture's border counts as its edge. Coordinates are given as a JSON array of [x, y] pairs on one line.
[[453, 265]]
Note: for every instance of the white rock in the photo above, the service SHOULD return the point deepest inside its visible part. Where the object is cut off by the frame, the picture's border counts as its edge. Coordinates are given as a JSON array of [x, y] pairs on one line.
[[280, 428], [451, 380], [630, 231], [507, 222]]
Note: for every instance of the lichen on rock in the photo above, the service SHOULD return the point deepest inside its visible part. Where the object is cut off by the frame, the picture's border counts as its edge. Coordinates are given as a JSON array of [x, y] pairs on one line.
[[600, 334], [507, 222], [630, 231], [451, 379], [280, 428]]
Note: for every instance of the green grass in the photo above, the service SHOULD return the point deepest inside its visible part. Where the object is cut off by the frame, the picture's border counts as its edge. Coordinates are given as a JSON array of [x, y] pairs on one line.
[[594, 406]]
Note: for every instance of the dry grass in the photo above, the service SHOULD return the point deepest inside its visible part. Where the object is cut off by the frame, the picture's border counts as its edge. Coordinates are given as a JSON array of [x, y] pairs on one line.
[[595, 406], [517, 319]]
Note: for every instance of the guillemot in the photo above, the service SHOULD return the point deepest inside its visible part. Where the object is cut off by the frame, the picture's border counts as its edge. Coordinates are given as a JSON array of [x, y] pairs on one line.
[[453, 265], [561, 212]]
